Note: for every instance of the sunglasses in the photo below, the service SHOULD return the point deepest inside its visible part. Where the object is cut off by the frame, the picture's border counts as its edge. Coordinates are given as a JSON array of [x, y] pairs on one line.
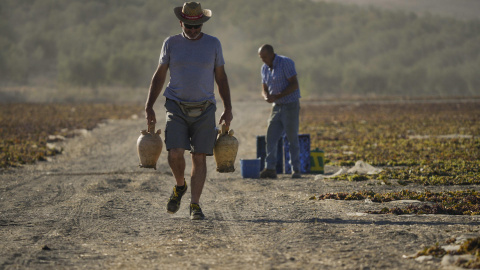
[[189, 26]]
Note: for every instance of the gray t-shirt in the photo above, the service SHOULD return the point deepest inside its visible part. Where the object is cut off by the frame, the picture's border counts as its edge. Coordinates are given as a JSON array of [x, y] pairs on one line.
[[191, 64]]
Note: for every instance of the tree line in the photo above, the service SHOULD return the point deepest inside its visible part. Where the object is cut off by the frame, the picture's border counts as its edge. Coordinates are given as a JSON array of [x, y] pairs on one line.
[[337, 49]]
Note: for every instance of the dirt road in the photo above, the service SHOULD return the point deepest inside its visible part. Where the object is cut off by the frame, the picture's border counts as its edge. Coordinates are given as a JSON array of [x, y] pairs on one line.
[[93, 208]]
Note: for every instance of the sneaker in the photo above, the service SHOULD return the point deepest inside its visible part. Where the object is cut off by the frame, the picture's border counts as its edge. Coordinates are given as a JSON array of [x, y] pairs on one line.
[[296, 175], [196, 212], [267, 173], [174, 203]]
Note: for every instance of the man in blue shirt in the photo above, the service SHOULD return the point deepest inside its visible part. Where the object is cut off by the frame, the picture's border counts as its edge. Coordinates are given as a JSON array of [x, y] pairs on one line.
[[280, 87], [195, 61]]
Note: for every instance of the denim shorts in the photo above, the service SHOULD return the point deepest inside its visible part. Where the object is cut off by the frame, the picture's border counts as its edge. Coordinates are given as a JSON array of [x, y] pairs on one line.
[[197, 134]]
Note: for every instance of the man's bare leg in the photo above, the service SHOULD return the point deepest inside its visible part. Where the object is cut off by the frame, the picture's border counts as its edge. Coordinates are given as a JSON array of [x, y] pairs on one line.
[[176, 160], [199, 173]]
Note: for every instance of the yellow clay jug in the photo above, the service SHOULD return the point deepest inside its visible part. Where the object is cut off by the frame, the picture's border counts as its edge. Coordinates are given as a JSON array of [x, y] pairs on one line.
[[225, 150], [149, 147]]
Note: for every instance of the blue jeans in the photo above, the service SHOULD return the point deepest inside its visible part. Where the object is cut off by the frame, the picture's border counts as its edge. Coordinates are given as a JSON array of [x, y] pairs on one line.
[[284, 118]]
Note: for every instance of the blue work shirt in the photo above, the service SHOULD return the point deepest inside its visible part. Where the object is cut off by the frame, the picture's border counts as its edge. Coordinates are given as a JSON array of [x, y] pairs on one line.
[[276, 78]]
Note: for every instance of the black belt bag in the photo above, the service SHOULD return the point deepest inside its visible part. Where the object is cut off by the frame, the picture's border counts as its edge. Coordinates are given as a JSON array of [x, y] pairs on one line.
[[193, 109]]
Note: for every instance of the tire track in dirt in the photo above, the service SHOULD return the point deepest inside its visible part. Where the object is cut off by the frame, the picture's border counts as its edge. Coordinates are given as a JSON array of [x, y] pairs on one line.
[[243, 212]]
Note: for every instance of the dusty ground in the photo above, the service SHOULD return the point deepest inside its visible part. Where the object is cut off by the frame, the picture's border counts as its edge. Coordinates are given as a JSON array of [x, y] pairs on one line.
[[93, 208]]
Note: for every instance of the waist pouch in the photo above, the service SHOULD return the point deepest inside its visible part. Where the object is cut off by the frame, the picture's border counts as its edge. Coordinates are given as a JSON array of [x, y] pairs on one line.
[[193, 109]]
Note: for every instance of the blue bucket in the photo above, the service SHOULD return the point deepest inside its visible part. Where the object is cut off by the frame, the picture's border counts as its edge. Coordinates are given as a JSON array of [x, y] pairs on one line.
[[250, 168]]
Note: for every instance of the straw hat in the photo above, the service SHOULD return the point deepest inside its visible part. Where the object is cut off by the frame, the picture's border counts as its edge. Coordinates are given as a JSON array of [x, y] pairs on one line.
[[192, 13]]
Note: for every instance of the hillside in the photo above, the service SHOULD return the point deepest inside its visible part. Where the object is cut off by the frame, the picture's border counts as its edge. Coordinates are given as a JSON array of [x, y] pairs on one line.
[[458, 9], [338, 49]]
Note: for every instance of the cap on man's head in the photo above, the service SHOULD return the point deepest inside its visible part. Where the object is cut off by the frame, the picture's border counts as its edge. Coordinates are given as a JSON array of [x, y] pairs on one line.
[[192, 13]]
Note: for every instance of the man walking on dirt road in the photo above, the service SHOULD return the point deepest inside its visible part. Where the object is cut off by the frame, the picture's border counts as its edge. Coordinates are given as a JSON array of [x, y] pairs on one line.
[[195, 61], [280, 87]]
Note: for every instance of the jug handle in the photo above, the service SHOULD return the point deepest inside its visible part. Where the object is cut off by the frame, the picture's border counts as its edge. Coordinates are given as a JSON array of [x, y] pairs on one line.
[[224, 129], [151, 128]]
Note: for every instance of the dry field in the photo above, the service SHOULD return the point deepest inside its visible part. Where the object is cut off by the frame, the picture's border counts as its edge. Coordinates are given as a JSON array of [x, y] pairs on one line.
[[92, 207], [27, 128]]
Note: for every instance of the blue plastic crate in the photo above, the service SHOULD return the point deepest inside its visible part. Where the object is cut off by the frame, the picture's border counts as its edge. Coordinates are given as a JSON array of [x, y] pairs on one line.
[[304, 144]]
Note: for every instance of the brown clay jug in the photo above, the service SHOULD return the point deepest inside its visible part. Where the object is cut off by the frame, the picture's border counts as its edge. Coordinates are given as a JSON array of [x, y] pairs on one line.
[[149, 147], [225, 150]]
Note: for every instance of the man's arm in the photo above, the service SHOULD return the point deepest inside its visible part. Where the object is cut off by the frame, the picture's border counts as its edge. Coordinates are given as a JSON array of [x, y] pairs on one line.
[[156, 86], [224, 91], [265, 93], [291, 87]]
